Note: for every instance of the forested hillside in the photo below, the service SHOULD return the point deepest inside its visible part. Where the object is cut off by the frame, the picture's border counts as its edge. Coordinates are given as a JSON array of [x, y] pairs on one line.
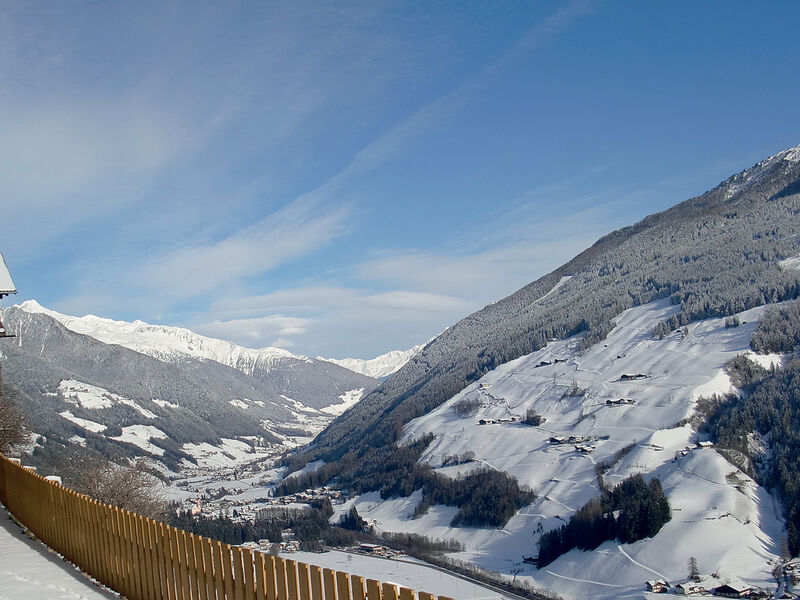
[[760, 429], [713, 255]]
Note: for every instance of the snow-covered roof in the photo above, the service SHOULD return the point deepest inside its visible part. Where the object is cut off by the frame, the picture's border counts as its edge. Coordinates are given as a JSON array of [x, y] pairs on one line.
[[6, 284]]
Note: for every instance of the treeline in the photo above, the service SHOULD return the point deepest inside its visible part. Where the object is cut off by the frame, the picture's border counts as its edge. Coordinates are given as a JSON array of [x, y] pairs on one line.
[[420, 545], [309, 526], [220, 528], [771, 410], [743, 371], [485, 497], [778, 330], [632, 511]]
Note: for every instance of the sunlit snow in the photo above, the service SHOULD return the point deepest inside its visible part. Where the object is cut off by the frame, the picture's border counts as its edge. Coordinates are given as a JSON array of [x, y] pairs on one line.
[[720, 516], [140, 435], [84, 423]]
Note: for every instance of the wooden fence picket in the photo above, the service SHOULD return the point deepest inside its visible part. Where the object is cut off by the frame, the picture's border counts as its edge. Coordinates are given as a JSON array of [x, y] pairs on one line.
[[238, 573], [270, 573], [215, 577], [227, 570], [343, 586], [389, 591], [208, 568], [358, 589], [280, 578], [374, 590], [261, 580], [315, 574], [329, 584], [199, 570], [303, 582], [249, 575], [291, 580]]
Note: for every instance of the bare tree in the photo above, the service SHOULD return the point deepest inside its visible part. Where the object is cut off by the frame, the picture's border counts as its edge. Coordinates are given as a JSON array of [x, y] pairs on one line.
[[132, 487], [13, 429]]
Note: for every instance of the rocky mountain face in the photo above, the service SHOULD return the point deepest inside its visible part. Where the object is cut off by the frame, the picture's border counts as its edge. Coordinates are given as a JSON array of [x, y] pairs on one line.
[[79, 390]]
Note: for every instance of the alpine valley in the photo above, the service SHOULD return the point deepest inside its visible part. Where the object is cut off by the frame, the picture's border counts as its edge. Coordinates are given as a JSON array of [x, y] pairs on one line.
[[659, 359], [166, 393], [631, 416]]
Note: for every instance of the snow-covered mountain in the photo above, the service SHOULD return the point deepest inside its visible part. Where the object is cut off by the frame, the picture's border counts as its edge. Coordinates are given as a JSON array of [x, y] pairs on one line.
[[710, 255], [167, 343], [731, 525], [160, 392], [379, 367]]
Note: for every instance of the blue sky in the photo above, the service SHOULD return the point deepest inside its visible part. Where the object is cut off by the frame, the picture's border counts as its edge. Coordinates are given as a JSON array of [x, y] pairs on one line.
[[348, 178]]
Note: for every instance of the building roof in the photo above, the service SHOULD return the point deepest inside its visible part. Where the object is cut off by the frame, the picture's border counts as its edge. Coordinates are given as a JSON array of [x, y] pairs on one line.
[[6, 283]]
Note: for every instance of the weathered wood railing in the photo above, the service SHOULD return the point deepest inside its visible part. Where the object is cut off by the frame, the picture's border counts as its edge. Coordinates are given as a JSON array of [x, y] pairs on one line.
[[144, 559]]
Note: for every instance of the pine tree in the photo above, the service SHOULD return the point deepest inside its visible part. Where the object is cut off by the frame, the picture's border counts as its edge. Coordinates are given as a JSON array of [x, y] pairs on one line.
[[694, 572]]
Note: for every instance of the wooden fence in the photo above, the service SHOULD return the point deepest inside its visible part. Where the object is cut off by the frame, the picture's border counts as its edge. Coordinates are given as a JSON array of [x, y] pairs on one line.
[[144, 559]]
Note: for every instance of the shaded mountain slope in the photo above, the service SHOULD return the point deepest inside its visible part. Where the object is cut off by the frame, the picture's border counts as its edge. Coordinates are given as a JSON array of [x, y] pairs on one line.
[[187, 400]]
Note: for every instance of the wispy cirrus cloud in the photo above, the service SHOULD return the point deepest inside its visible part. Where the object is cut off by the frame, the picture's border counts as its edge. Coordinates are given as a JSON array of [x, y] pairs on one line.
[[274, 330], [149, 158], [301, 227], [325, 315]]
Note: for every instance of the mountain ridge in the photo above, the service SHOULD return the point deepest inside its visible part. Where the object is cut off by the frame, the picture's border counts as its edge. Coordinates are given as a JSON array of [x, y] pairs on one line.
[[170, 343], [381, 366]]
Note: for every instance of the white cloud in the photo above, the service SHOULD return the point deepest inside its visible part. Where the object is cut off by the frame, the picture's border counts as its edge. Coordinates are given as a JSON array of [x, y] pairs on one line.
[[308, 300], [257, 331], [414, 301], [325, 316], [292, 232]]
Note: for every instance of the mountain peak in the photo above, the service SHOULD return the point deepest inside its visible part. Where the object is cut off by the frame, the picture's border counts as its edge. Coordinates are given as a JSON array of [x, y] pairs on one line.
[[169, 342], [32, 306], [165, 342], [379, 367], [792, 154]]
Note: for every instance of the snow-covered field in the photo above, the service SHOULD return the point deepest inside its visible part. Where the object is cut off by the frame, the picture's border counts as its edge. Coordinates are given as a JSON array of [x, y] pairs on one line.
[[348, 399], [406, 571], [83, 423], [140, 435], [720, 516], [94, 397], [228, 454], [29, 569]]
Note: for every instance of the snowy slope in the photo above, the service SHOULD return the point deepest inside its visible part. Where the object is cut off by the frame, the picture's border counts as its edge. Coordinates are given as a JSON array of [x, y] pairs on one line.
[[29, 569], [379, 367], [720, 516]]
